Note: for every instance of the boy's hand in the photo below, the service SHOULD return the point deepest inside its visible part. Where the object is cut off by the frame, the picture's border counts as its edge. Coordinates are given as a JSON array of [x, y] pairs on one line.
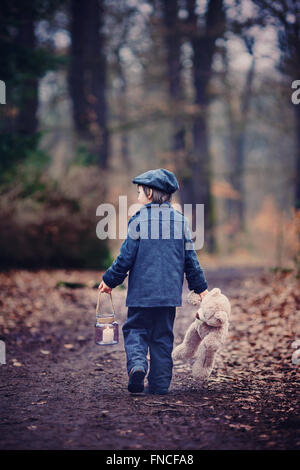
[[203, 294], [104, 288]]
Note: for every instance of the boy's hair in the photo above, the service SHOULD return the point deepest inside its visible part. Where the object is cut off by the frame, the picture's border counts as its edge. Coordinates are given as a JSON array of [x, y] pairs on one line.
[[158, 197]]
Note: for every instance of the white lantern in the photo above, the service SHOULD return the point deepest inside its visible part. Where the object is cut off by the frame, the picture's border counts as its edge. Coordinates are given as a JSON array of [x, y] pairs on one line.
[[106, 327]]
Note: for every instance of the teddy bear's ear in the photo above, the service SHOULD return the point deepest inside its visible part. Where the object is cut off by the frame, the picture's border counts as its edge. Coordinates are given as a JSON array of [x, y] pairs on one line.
[[215, 291]]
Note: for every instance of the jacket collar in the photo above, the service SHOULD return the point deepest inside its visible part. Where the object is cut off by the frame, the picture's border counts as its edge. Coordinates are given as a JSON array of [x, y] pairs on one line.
[[149, 204]]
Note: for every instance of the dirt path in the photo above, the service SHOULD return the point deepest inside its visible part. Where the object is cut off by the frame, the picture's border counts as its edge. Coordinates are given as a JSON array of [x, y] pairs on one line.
[[59, 390]]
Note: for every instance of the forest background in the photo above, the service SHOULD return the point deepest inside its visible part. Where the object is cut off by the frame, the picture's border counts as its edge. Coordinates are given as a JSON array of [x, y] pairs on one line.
[[100, 91]]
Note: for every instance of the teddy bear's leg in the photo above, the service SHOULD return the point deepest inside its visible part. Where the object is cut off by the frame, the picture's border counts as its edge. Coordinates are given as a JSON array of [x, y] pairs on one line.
[[204, 362], [191, 341]]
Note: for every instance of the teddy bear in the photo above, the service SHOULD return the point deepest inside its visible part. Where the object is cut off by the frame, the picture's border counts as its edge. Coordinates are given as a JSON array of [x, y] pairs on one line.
[[206, 334]]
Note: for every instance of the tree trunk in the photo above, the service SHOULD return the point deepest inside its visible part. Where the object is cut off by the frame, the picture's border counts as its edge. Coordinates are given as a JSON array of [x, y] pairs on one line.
[[203, 44], [173, 40], [237, 128], [27, 122], [87, 76], [123, 113], [297, 188]]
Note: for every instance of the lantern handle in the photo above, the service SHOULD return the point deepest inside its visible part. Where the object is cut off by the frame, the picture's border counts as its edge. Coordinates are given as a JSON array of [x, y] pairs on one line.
[[98, 303]]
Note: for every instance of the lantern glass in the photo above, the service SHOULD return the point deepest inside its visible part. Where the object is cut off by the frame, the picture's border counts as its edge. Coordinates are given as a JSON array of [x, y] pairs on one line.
[[106, 333], [106, 327]]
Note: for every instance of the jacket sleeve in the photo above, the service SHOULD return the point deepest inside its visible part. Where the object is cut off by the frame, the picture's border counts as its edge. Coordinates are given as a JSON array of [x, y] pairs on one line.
[[116, 274], [193, 272]]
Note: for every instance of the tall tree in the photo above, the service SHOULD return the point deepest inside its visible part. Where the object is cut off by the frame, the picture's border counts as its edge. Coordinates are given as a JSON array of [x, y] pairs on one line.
[[121, 20], [173, 42], [238, 118], [286, 15], [23, 61], [87, 76], [123, 113], [203, 41], [27, 118]]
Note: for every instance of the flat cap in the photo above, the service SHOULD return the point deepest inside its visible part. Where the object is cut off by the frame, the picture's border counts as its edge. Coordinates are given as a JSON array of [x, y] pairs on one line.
[[161, 179]]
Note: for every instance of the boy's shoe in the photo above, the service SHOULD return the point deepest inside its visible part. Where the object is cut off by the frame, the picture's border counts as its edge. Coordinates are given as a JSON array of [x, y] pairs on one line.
[[136, 380]]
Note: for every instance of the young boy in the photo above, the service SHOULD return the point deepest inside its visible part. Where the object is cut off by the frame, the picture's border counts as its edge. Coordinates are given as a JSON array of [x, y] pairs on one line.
[[156, 257]]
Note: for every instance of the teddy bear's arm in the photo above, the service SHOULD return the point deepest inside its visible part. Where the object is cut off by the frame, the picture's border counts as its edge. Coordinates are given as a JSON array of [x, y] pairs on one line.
[[189, 345]]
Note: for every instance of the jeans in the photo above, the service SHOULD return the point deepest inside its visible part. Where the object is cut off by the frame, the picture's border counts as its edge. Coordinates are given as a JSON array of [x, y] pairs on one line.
[[150, 328]]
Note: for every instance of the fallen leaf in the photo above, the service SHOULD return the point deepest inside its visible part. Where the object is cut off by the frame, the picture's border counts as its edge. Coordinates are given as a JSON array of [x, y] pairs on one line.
[[17, 363]]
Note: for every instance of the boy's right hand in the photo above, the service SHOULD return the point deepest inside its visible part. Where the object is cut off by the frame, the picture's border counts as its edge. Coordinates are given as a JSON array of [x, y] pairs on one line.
[[104, 288]]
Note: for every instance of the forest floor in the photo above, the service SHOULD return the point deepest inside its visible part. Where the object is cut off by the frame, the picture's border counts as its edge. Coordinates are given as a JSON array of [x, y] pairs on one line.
[[59, 390]]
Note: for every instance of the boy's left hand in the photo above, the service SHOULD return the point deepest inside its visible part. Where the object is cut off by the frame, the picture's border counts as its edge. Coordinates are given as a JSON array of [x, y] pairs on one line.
[[203, 294], [104, 288]]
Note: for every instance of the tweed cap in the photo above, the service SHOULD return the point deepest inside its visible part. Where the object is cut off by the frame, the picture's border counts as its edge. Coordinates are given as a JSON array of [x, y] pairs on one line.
[[161, 179]]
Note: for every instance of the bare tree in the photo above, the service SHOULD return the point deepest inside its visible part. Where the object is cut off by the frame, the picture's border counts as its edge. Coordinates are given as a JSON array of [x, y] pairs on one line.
[[203, 40], [27, 118], [286, 15], [173, 41], [87, 76], [238, 120], [121, 14]]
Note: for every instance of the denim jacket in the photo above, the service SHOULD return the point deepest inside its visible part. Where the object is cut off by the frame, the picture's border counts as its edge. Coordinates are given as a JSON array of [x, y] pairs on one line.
[[155, 255]]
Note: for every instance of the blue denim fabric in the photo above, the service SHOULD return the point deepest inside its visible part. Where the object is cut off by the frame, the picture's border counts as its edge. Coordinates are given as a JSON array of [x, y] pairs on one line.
[[155, 255], [151, 328]]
